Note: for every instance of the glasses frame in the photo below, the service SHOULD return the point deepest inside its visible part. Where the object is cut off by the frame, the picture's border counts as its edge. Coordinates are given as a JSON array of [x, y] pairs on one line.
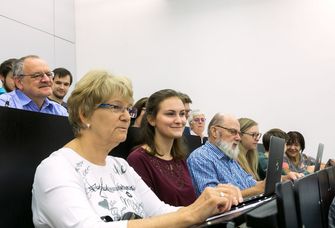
[[39, 75], [199, 120], [254, 135], [119, 109], [231, 131]]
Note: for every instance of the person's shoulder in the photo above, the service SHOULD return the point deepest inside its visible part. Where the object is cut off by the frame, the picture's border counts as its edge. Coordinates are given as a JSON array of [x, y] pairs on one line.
[[2, 90], [58, 109], [198, 154], [262, 155], [55, 157], [308, 158], [114, 160], [54, 164], [5, 96], [138, 153]]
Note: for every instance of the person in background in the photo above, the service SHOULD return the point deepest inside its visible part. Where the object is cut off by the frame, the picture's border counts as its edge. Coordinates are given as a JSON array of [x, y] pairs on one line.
[[197, 123], [264, 157], [124, 148], [97, 190], [216, 161], [6, 76], [195, 137], [187, 103], [248, 155], [33, 81], [296, 159], [140, 106], [61, 84]]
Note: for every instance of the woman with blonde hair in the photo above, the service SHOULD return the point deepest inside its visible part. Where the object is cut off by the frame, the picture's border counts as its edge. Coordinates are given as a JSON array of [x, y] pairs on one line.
[[248, 156], [80, 185]]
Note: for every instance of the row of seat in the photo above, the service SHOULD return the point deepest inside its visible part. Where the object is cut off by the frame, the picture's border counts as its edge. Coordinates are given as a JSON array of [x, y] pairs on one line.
[[302, 203]]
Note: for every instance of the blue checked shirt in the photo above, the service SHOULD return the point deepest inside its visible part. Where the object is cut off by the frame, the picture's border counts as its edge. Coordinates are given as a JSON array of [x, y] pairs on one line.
[[209, 166], [17, 99]]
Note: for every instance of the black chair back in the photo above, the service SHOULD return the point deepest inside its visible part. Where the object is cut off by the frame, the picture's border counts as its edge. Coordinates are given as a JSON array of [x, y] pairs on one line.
[[325, 199], [26, 138], [286, 208], [308, 201], [331, 179]]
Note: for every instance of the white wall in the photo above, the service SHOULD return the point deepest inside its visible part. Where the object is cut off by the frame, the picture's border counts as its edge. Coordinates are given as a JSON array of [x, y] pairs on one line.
[[40, 27], [270, 60]]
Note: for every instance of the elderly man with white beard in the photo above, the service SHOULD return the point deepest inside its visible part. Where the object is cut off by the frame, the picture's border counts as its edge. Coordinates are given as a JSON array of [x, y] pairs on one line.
[[216, 161]]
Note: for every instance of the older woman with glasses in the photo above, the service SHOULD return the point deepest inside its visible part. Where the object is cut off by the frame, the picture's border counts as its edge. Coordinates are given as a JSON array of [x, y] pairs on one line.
[[197, 122], [248, 156], [79, 185]]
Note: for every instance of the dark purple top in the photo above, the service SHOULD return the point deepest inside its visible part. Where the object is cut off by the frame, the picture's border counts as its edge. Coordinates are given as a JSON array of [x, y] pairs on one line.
[[169, 180]]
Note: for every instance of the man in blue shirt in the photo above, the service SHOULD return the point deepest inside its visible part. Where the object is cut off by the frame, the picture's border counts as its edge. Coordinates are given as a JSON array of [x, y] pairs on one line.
[[33, 81], [216, 162]]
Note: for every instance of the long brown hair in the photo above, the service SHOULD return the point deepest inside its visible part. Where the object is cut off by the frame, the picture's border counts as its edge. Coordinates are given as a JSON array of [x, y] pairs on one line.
[[178, 150]]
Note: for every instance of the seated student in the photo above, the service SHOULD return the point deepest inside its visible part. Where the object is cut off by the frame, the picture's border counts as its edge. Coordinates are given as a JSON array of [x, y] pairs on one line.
[[160, 159], [248, 156], [81, 186], [140, 106], [197, 122], [33, 81], [216, 161], [294, 156], [61, 84], [6, 76], [187, 103], [264, 157], [124, 148]]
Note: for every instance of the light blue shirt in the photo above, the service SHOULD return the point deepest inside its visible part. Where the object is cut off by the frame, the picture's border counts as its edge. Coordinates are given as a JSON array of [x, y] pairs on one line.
[[209, 166], [2, 90], [17, 99]]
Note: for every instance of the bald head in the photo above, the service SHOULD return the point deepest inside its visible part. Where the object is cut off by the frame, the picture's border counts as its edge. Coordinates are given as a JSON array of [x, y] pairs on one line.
[[223, 120]]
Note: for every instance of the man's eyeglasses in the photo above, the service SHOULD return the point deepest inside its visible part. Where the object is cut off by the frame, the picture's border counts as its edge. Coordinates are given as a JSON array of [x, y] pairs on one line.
[[39, 75], [120, 109], [231, 131], [198, 120], [254, 135]]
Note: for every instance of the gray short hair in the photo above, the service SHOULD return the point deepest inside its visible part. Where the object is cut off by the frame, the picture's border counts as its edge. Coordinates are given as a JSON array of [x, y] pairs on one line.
[[18, 65]]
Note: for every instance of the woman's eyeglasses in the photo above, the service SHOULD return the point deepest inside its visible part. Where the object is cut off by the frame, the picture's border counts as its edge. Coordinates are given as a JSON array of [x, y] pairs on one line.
[[199, 120], [254, 135], [120, 109]]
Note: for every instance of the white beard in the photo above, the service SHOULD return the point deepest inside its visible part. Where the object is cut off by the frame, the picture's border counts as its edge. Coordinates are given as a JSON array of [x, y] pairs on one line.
[[227, 149]]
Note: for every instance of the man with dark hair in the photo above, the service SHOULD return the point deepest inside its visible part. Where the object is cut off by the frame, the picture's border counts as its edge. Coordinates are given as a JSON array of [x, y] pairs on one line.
[[33, 81], [273, 132], [6, 76], [187, 102], [61, 84]]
